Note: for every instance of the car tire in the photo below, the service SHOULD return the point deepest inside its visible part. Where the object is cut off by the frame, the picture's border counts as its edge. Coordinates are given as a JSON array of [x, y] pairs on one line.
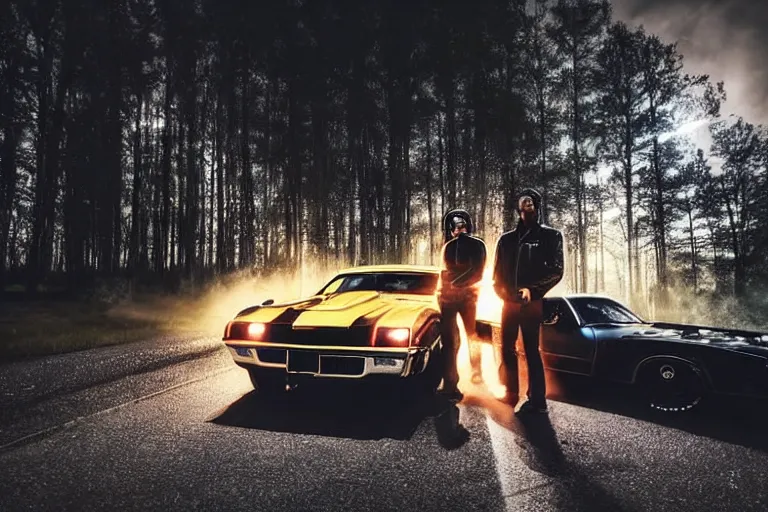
[[267, 384], [671, 385]]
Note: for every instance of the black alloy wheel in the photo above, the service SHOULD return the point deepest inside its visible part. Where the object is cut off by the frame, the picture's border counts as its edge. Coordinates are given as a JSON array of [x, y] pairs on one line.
[[671, 385]]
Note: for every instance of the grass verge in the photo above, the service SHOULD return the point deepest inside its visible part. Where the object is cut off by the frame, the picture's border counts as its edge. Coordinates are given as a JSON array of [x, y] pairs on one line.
[[30, 329]]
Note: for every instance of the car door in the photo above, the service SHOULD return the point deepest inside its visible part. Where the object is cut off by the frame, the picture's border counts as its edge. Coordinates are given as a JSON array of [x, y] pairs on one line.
[[565, 346]]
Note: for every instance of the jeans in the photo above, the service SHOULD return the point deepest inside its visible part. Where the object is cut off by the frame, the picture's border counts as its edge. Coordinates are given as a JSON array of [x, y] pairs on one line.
[[451, 339], [527, 318]]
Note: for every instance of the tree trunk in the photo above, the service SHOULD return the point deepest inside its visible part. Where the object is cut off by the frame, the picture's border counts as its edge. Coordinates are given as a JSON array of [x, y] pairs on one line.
[[136, 212], [163, 240], [430, 207], [182, 178], [740, 275], [8, 172], [628, 193], [247, 219], [221, 265], [192, 209], [114, 143], [36, 259], [602, 245], [694, 262], [660, 214], [440, 167], [450, 112]]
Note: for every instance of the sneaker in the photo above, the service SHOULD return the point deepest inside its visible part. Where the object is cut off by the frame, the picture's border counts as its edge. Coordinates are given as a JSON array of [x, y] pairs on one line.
[[457, 440], [529, 407]]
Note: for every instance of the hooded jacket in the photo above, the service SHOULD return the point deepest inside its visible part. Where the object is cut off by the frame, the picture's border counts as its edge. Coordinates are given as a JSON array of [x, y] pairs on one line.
[[462, 258], [528, 258]]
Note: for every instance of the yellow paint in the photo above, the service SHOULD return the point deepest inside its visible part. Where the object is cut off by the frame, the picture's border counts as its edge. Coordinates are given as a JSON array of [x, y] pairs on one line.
[[340, 310], [343, 309]]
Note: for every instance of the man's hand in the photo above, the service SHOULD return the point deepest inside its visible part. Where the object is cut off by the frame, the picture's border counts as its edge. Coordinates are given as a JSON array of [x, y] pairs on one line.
[[525, 294]]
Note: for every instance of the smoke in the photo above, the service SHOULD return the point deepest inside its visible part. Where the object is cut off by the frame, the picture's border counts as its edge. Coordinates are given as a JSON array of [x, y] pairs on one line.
[[726, 40], [207, 311]]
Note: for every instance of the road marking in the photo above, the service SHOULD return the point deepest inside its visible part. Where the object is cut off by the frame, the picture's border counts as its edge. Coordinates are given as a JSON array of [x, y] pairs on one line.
[[522, 487], [51, 430]]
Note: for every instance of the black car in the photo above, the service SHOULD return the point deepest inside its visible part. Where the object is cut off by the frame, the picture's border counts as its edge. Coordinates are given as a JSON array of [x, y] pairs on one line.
[[674, 366]]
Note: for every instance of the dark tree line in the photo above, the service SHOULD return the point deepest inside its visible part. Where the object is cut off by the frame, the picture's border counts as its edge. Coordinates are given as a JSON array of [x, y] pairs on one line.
[[161, 140]]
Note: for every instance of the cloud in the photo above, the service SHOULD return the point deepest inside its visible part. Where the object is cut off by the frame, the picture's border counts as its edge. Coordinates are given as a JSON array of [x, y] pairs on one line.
[[727, 40]]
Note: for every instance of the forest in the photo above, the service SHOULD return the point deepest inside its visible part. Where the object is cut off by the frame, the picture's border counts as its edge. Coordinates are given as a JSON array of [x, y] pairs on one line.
[[162, 143]]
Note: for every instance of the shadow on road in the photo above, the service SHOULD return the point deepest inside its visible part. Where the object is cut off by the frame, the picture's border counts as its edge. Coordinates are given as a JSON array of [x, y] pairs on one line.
[[540, 449], [735, 421], [363, 416]]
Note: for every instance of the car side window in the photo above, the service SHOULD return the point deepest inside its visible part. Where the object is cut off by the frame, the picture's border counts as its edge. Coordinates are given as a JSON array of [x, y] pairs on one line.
[[600, 311]]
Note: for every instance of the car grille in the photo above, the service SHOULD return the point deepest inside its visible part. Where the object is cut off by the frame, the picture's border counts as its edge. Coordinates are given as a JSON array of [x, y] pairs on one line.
[[322, 336], [271, 355]]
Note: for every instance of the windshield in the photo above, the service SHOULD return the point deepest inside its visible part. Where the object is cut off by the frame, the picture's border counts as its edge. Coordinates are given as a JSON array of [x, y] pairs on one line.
[[603, 311], [388, 282]]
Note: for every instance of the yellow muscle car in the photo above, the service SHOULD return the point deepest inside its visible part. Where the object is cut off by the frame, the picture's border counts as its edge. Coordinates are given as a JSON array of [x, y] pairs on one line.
[[371, 323]]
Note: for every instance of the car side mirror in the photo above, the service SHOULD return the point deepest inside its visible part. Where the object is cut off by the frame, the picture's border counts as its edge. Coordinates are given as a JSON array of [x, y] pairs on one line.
[[268, 302]]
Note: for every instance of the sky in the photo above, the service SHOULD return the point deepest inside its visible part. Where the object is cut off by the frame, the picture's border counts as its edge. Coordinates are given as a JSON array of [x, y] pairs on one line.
[[725, 39]]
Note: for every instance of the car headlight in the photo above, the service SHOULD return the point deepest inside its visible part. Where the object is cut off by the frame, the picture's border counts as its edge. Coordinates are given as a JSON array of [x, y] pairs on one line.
[[251, 331], [392, 337], [256, 330]]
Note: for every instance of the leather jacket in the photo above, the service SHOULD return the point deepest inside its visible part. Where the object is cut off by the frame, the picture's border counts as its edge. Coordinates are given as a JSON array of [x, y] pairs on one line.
[[463, 261], [528, 258]]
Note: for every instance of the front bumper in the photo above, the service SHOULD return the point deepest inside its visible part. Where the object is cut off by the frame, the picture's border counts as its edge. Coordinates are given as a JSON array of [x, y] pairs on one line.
[[330, 362]]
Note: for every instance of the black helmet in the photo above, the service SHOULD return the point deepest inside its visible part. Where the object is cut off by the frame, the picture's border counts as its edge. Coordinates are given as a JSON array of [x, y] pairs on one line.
[[535, 196], [455, 218]]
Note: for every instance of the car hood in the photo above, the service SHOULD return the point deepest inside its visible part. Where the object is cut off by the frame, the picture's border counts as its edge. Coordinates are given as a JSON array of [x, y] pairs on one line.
[[358, 308], [754, 342]]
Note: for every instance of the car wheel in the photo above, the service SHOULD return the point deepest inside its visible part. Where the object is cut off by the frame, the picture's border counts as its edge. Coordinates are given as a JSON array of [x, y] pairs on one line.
[[267, 384], [671, 385]]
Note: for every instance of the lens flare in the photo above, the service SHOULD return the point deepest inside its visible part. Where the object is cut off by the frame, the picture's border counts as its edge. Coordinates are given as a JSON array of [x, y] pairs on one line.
[[399, 336], [256, 330]]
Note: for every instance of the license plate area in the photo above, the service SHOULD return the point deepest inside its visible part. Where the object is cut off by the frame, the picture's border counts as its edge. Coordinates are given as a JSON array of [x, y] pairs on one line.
[[342, 365], [300, 361]]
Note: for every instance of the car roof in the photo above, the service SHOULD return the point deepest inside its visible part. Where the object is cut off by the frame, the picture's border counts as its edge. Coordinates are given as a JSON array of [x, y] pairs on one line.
[[585, 296], [425, 269]]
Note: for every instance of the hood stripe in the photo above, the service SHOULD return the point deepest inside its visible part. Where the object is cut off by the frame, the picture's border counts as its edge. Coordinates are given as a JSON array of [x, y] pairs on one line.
[[288, 316]]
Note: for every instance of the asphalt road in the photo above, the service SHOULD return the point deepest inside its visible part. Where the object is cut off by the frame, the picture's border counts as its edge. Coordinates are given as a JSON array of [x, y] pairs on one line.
[[194, 436]]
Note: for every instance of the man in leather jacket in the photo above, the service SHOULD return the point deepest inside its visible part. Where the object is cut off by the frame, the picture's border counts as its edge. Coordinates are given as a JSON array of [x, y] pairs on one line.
[[528, 263], [462, 261]]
